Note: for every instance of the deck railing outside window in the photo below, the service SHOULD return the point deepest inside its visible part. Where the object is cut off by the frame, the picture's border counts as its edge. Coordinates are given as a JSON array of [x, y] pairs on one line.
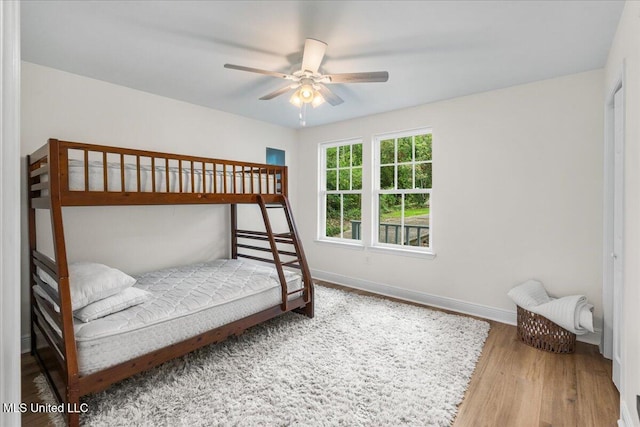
[[415, 235]]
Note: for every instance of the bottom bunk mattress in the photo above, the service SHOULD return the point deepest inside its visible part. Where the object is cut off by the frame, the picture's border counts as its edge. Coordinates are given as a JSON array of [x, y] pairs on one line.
[[185, 302]]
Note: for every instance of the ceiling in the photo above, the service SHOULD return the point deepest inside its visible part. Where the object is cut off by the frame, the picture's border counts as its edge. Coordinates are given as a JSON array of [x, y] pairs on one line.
[[433, 50]]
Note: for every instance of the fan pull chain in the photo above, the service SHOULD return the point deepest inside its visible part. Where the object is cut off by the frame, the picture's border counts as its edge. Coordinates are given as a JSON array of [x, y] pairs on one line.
[[303, 115]]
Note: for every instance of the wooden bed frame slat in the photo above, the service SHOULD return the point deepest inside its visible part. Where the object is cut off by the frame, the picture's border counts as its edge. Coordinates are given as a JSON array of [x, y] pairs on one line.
[[47, 307], [40, 154], [45, 286], [41, 170], [45, 263], [283, 238], [41, 202], [48, 169], [139, 185], [86, 171], [105, 172], [113, 198], [40, 186], [53, 339], [256, 258], [263, 249], [265, 239]]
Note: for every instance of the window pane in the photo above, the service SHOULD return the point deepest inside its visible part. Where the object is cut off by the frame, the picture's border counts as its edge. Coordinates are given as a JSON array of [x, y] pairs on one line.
[[344, 154], [356, 154], [331, 180], [423, 175], [343, 173], [405, 150], [390, 206], [333, 215], [344, 179], [405, 177], [416, 220], [386, 177], [352, 216], [387, 151], [356, 179], [405, 166], [331, 157], [423, 147]]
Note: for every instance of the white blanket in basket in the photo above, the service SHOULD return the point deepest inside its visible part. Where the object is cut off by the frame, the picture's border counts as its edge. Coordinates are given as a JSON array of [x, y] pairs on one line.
[[573, 313]]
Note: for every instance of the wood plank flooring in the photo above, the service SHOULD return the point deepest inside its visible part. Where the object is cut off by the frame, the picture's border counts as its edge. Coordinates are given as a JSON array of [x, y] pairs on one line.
[[513, 386]]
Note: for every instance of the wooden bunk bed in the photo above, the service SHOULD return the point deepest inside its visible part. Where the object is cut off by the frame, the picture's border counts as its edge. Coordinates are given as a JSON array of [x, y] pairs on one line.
[[62, 174]]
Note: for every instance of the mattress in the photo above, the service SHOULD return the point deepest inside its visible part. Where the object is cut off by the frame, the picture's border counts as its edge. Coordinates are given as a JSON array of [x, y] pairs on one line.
[[186, 301], [203, 180]]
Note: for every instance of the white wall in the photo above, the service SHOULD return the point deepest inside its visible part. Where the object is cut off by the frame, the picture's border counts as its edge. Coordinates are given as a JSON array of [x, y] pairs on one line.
[[136, 239], [517, 194], [626, 47]]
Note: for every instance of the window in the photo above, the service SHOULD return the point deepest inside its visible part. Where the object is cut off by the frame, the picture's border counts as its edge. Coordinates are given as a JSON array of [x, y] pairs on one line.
[[341, 191], [402, 190]]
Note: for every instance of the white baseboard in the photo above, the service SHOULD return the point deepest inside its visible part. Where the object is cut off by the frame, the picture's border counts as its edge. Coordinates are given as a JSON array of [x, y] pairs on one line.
[[497, 314], [625, 415], [492, 313], [591, 338]]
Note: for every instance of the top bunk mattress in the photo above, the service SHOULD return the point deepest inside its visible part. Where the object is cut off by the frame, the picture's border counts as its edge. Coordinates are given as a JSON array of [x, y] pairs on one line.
[[172, 179]]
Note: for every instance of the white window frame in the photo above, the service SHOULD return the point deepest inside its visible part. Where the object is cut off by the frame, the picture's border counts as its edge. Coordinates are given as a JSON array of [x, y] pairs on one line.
[[377, 191], [322, 192]]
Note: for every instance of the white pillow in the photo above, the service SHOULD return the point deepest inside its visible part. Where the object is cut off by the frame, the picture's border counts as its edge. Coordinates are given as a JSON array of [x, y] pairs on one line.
[[118, 302], [89, 282]]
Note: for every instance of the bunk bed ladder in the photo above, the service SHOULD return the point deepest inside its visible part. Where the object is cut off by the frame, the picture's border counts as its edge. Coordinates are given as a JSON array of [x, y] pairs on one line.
[[299, 260]]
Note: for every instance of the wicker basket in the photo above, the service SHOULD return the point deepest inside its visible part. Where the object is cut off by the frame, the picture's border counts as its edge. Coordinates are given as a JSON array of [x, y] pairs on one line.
[[540, 332]]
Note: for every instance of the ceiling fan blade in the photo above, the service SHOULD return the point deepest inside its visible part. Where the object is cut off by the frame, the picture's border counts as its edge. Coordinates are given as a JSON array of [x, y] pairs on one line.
[[373, 76], [329, 96], [313, 55], [275, 93], [257, 70]]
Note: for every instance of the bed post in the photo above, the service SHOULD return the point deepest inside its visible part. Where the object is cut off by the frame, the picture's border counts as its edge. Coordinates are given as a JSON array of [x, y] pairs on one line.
[[32, 247], [285, 181], [234, 231], [56, 157]]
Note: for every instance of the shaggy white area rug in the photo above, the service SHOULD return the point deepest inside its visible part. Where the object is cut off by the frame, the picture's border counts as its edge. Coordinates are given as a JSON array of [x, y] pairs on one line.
[[361, 361]]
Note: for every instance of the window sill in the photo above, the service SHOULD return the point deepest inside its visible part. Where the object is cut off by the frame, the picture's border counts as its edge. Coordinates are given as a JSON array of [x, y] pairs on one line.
[[358, 246], [402, 252]]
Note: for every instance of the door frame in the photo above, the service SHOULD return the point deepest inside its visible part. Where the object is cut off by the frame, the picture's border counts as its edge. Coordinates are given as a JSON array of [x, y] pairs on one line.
[[610, 305], [10, 210]]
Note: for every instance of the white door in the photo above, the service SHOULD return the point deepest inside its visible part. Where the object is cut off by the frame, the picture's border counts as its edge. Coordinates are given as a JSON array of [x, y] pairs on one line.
[[618, 231]]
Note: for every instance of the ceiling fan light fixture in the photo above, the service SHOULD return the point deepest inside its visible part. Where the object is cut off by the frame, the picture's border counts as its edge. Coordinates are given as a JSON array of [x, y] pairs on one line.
[[306, 93], [317, 100], [295, 99]]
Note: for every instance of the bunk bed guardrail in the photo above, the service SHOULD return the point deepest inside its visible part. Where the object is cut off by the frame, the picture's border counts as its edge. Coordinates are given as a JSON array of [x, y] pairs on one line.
[[93, 175]]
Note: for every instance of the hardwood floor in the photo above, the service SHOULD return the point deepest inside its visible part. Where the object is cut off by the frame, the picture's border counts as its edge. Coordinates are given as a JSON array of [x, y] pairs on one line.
[[30, 370], [517, 385], [513, 385]]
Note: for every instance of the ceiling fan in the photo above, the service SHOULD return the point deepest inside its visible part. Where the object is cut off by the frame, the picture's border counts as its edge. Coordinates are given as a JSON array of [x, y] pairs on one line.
[[308, 83]]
